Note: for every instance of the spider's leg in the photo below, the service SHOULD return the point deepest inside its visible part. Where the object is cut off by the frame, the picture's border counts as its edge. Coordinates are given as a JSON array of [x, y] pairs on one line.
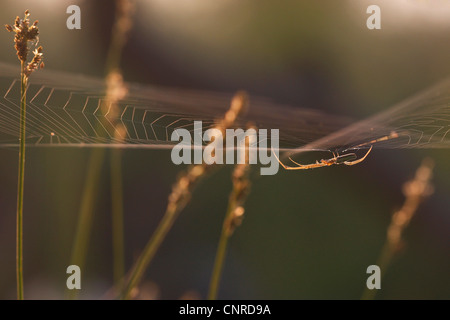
[[285, 166], [351, 163], [308, 166], [299, 166]]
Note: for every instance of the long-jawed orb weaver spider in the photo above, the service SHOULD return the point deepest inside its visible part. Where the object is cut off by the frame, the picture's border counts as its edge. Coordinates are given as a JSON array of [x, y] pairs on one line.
[[348, 159]]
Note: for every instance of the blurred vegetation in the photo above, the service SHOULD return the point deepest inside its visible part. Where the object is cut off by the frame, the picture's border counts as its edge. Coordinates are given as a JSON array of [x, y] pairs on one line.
[[305, 234]]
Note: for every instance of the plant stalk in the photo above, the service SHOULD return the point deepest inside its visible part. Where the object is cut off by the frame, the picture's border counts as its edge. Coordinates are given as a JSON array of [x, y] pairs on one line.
[[415, 191], [221, 250], [117, 218], [84, 226], [178, 199], [150, 249]]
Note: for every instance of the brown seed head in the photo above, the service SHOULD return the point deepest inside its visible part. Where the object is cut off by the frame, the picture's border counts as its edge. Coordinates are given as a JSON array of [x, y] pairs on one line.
[[35, 62]]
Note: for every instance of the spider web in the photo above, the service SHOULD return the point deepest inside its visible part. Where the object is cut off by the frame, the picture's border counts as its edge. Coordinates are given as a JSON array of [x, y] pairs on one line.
[[421, 121], [65, 110]]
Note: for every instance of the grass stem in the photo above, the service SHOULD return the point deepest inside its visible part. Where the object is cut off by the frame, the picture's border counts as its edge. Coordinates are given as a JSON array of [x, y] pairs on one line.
[[233, 216], [178, 199], [117, 218], [84, 224], [24, 34], [415, 191], [221, 251], [121, 27], [180, 196]]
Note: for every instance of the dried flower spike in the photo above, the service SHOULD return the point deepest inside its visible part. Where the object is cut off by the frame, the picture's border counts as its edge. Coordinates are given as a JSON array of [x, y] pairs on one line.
[[24, 33]]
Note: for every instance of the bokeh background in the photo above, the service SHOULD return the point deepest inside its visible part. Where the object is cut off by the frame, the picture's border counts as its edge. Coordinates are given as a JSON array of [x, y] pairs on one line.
[[306, 235]]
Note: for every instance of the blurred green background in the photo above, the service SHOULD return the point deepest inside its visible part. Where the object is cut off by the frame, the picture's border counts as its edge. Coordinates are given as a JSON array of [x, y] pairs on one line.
[[306, 235]]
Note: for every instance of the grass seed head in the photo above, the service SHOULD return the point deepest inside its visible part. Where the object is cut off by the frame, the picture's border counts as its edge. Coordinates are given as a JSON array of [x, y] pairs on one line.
[[24, 33]]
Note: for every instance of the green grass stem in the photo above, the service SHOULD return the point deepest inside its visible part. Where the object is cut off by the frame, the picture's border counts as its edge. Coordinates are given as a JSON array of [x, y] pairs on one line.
[[20, 184]]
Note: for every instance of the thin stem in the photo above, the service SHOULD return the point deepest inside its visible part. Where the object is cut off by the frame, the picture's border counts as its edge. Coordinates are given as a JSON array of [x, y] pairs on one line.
[[20, 185], [415, 191], [384, 260], [233, 216], [122, 25], [178, 199], [221, 250], [117, 218], [84, 226], [150, 249]]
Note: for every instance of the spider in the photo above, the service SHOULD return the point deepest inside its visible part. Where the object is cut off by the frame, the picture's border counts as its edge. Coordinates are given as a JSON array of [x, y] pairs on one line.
[[348, 159]]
